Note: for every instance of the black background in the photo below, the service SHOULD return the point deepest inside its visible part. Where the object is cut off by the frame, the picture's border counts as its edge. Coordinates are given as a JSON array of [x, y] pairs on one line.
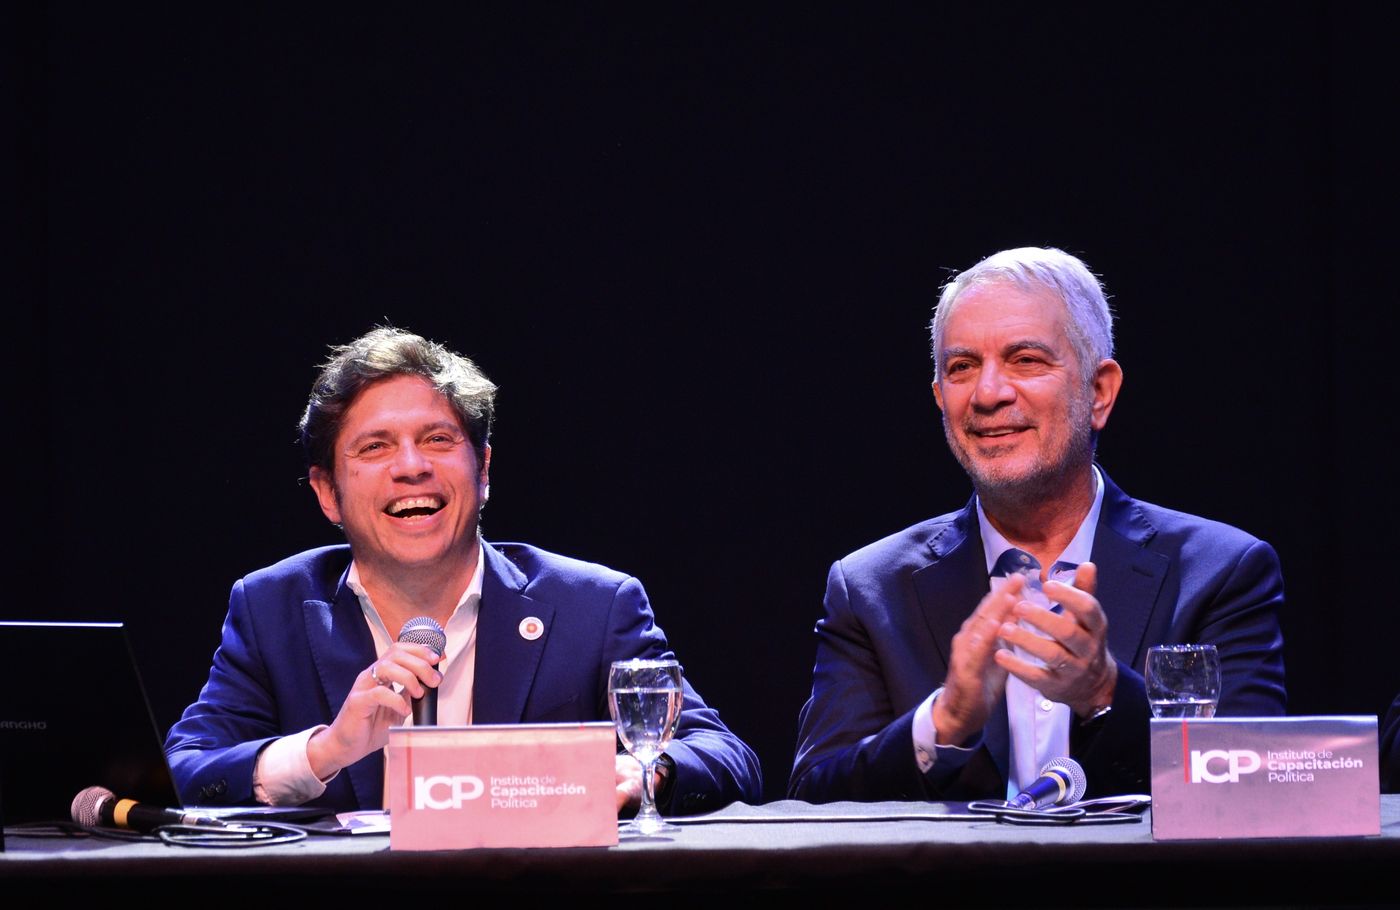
[[696, 245]]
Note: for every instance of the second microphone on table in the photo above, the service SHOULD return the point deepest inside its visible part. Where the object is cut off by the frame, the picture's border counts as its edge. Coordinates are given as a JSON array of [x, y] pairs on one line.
[[1061, 782], [424, 630], [99, 807]]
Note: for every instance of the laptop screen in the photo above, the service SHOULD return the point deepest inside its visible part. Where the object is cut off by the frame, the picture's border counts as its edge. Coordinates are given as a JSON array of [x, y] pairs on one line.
[[73, 714]]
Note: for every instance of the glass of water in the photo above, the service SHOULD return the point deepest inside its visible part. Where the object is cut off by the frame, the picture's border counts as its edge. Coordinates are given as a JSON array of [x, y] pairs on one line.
[[645, 698], [1183, 680]]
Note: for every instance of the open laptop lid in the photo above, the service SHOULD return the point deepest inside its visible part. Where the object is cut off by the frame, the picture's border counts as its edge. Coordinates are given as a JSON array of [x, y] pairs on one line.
[[73, 714]]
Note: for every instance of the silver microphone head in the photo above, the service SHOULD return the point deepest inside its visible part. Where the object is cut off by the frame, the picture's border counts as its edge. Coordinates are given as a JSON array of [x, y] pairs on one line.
[[87, 806], [424, 630], [1071, 770]]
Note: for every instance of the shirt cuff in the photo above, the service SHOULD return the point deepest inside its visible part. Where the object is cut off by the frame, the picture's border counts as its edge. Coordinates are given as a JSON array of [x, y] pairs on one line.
[[283, 775], [927, 752]]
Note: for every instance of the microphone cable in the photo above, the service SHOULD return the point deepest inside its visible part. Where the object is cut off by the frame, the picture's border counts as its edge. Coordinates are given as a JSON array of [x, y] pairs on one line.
[[1124, 810], [236, 836]]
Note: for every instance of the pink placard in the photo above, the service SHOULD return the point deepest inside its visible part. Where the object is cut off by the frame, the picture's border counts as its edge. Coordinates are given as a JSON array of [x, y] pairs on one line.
[[528, 785], [1264, 777]]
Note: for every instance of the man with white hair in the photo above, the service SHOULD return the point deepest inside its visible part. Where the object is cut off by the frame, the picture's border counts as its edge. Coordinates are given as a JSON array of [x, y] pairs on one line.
[[960, 655]]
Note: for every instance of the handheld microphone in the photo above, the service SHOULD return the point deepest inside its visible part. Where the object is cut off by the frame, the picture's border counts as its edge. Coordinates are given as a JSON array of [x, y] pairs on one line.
[[1061, 781], [424, 630], [99, 807]]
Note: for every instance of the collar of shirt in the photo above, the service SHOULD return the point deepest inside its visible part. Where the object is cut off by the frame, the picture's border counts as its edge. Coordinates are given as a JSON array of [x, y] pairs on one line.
[[1080, 548], [454, 695]]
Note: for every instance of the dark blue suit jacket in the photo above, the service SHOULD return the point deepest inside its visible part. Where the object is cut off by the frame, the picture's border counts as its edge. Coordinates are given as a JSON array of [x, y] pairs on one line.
[[295, 639], [1390, 749], [893, 607]]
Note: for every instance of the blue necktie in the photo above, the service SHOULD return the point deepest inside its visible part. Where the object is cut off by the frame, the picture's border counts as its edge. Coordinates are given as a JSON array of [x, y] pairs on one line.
[[1013, 561]]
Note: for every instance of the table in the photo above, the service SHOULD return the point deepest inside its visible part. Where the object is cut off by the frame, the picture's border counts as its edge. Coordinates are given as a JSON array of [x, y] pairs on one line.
[[779, 847]]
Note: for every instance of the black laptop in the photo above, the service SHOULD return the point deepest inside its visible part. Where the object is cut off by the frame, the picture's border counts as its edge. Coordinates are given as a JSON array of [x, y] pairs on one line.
[[73, 714]]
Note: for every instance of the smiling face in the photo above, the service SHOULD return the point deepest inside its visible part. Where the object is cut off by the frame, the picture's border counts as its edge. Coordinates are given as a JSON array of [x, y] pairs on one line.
[[406, 485], [1017, 412]]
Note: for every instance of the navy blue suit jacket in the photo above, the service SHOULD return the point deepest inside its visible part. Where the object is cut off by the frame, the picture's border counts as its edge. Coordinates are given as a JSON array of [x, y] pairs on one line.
[[893, 607], [1390, 749], [295, 639]]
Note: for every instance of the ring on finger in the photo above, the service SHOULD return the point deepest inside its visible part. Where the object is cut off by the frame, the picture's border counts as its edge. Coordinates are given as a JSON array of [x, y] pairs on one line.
[[374, 671]]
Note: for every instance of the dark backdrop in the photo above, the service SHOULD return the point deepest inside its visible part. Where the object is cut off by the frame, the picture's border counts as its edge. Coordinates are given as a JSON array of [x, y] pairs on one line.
[[696, 245]]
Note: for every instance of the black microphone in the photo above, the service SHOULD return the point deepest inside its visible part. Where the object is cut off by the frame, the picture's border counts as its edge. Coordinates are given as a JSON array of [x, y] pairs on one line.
[[1061, 781], [424, 630], [99, 807]]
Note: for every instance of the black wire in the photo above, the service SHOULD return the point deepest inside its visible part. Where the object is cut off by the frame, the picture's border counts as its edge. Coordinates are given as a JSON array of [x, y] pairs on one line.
[[1052, 816], [71, 829]]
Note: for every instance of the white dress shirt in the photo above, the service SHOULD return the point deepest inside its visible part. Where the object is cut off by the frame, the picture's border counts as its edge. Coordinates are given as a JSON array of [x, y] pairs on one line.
[[1039, 727], [283, 775]]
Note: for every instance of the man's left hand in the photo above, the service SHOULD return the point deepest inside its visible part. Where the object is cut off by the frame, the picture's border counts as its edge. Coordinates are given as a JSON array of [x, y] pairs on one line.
[[629, 781], [1078, 670]]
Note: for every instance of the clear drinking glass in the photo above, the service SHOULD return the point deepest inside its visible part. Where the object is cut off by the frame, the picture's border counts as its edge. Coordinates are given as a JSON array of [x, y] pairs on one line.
[[1183, 680], [645, 699]]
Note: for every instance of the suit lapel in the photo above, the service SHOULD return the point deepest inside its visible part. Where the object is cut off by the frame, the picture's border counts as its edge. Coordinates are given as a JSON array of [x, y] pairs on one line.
[[951, 585], [341, 646], [506, 661], [1130, 575], [949, 589]]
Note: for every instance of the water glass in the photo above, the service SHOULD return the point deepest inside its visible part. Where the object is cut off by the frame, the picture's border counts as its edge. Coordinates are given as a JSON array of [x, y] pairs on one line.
[[645, 698], [1183, 680]]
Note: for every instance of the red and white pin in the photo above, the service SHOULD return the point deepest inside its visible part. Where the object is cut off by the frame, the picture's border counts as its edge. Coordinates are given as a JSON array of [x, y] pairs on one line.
[[531, 628]]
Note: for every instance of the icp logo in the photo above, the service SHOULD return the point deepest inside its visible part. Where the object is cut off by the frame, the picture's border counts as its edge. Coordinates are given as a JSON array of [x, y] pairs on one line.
[[1228, 765], [451, 791]]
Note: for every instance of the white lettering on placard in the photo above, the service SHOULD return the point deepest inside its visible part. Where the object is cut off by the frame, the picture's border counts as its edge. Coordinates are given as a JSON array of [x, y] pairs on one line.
[[1290, 766], [1284, 766], [1236, 763], [452, 791], [514, 791], [1289, 760], [442, 791]]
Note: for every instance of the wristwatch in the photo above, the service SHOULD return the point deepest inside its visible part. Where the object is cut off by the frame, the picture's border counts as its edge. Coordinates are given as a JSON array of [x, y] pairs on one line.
[[663, 792]]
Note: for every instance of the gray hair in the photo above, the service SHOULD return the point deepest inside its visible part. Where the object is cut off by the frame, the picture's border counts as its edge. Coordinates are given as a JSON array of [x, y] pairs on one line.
[[384, 353], [1090, 325]]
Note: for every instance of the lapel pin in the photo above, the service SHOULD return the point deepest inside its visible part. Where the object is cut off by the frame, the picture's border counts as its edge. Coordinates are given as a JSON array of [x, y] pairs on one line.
[[531, 628]]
